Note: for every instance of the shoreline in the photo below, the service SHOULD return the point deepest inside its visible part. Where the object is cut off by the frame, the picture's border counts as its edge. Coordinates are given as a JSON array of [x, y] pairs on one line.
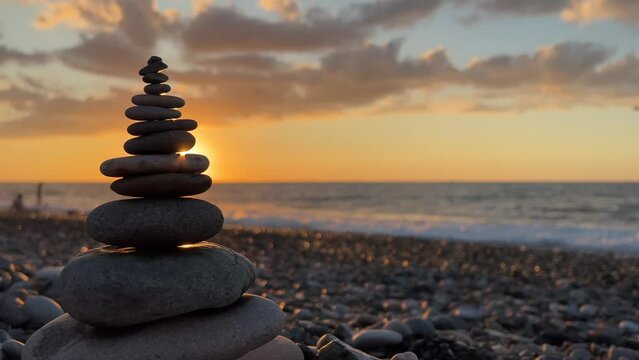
[[504, 298]]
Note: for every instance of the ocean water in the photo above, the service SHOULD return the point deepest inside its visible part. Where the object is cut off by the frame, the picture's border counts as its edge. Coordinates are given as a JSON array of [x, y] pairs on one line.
[[594, 216]]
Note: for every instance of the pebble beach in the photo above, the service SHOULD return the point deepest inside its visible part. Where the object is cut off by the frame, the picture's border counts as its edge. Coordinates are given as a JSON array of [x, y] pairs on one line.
[[382, 295]]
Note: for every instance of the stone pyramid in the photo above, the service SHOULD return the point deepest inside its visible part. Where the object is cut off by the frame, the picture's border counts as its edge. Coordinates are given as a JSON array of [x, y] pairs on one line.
[[158, 290]]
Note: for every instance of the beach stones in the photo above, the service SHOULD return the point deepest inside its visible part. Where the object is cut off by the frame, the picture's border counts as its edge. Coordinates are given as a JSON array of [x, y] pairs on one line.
[[151, 113], [154, 222], [166, 101], [220, 334], [152, 127], [154, 164], [209, 276], [168, 142], [156, 89], [158, 292], [162, 185]]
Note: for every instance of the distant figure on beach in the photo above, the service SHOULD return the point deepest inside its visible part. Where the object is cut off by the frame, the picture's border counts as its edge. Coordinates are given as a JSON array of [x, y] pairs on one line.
[[39, 195], [18, 204]]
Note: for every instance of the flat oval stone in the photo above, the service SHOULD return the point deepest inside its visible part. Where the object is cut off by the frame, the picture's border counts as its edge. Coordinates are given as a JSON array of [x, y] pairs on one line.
[[152, 127], [374, 338], [157, 223], [159, 284], [279, 348], [154, 164], [167, 142], [153, 67], [155, 78], [165, 101], [223, 334], [151, 113], [153, 59], [157, 89], [162, 185]]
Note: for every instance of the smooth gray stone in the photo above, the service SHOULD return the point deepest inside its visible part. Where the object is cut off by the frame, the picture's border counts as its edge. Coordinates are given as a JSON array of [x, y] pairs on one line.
[[165, 101], [11, 310], [151, 113], [168, 142], [155, 78], [224, 334], [331, 348], [153, 59], [12, 349], [153, 68], [162, 185], [376, 338], [154, 164], [39, 310], [129, 287], [152, 127], [157, 89], [279, 348], [154, 222]]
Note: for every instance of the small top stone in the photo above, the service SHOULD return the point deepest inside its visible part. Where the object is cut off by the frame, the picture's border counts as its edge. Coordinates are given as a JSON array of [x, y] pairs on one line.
[[153, 59]]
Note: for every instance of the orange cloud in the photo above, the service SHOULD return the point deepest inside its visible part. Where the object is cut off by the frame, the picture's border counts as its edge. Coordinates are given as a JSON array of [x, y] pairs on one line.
[[287, 9]]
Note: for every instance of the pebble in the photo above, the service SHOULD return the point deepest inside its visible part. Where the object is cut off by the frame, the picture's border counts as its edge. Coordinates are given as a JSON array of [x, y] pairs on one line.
[[331, 348], [39, 310], [153, 67], [157, 89], [154, 222], [168, 142], [161, 284], [11, 310], [153, 59], [162, 185], [470, 312], [629, 326], [165, 101], [149, 113], [155, 78], [13, 349], [420, 327], [399, 327], [152, 127], [405, 356], [375, 338], [247, 324], [154, 164], [279, 348]]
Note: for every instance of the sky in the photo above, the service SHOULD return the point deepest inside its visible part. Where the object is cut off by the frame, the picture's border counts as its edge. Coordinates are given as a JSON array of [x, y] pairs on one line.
[[328, 90]]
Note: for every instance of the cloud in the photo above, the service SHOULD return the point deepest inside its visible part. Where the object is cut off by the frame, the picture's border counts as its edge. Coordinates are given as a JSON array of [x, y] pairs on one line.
[[521, 7], [79, 14], [626, 11], [287, 9], [394, 13], [7, 54]]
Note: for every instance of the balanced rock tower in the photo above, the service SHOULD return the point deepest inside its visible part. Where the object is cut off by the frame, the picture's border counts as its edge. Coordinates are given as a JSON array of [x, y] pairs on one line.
[[158, 290]]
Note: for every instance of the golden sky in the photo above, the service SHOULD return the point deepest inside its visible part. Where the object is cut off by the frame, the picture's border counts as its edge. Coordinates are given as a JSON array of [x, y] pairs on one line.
[[377, 90]]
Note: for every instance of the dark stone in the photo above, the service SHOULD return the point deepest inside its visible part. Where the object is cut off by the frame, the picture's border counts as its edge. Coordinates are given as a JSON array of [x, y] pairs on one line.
[[153, 68], [162, 185], [153, 59], [154, 222], [157, 89], [129, 287], [152, 127], [224, 334], [155, 78], [151, 113], [165, 101], [168, 142], [154, 164]]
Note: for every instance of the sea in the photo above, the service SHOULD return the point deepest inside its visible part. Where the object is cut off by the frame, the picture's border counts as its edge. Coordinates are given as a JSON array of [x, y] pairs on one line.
[[596, 216]]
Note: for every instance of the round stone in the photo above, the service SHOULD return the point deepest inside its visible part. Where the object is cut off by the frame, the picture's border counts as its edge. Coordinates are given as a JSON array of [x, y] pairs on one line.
[[167, 142], [153, 59], [208, 334], [162, 185], [128, 287], [157, 89], [154, 222], [165, 101], [152, 127], [154, 164], [153, 68], [39, 310], [155, 78], [375, 338], [151, 113], [279, 348]]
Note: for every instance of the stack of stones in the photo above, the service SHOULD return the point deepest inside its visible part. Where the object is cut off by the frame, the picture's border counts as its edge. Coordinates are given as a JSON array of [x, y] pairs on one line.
[[158, 290]]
